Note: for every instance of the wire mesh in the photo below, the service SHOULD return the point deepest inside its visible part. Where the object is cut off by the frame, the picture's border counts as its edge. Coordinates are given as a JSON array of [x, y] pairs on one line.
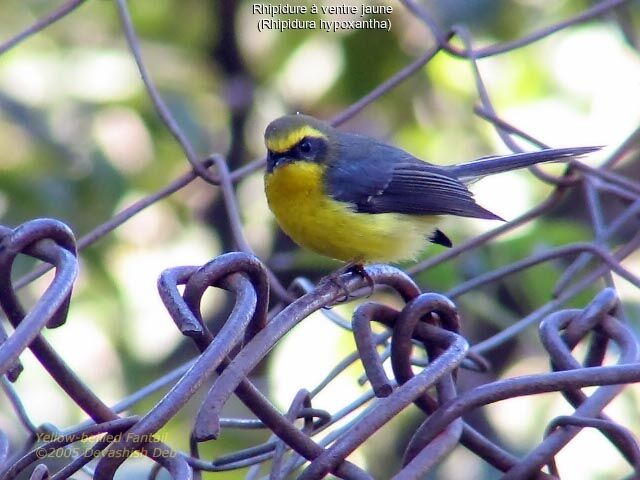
[[421, 341]]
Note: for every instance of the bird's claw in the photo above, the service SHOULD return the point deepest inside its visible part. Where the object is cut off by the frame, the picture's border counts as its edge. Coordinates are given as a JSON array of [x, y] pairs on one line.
[[354, 268]]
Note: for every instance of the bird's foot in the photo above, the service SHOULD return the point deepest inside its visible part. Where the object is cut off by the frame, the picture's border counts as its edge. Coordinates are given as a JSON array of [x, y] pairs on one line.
[[359, 269], [355, 268]]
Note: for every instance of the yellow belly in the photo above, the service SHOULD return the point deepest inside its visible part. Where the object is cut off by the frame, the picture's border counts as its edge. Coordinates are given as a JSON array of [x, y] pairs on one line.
[[312, 219]]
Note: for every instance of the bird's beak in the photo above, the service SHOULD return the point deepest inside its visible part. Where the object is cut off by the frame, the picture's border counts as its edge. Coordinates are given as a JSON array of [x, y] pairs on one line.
[[273, 160]]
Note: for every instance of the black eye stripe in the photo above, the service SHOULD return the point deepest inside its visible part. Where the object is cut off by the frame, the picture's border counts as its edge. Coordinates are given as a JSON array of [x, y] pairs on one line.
[[310, 146], [310, 149], [305, 145]]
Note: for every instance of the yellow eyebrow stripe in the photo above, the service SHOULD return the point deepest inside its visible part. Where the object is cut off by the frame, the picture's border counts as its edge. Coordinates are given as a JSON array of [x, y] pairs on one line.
[[282, 144]]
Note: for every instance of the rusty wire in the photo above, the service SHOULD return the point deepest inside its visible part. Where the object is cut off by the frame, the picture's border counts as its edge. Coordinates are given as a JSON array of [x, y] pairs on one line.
[[428, 322]]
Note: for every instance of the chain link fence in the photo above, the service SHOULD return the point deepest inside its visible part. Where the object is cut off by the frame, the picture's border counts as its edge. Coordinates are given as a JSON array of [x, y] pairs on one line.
[[411, 349]]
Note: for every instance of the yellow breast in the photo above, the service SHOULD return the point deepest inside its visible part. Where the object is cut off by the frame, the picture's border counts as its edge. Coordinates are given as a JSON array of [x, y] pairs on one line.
[[305, 211]]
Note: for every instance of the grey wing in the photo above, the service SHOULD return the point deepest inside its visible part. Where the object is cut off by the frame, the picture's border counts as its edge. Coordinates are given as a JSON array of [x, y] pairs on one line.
[[363, 169], [377, 178]]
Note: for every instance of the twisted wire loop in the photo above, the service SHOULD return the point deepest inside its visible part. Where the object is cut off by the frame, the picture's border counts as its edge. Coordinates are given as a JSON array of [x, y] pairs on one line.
[[246, 300], [420, 454], [437, 342], [411, 389], [53, 242], [49, 241], [595, 319]]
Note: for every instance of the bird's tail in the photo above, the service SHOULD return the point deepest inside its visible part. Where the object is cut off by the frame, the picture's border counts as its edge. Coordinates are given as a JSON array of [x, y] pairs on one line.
[[468, 172]]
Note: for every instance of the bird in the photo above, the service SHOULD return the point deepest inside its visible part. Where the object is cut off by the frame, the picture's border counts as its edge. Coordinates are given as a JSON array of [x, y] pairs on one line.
[[356, 199]]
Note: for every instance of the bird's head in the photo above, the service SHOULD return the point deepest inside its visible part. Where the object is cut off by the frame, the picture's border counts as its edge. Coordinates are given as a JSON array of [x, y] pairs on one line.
[[295, 138]]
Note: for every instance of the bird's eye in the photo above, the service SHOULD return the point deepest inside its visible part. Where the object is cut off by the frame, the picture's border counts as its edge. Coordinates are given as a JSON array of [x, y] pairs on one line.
[[305, 146]]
